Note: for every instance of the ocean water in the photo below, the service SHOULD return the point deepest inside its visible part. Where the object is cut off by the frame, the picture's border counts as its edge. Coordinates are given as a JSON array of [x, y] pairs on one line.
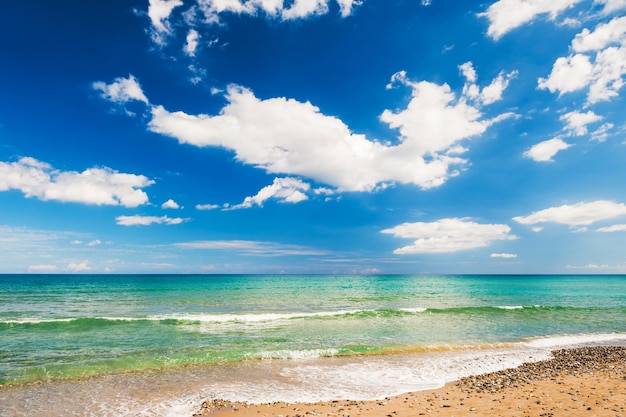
[[148, 345]]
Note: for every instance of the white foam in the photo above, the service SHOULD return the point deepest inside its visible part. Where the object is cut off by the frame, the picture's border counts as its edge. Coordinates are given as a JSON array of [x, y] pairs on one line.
[[414, 310], [553, 342], [205, 318], [371, 378], [249, 318], [296, 354], [32, 320]]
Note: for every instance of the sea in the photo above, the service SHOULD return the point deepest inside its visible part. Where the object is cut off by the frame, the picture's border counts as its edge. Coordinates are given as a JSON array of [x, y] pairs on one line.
[[160, 345]]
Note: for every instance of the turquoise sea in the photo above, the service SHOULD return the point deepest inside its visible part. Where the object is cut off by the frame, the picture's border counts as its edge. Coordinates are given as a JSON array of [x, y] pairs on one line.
[[116, 345]]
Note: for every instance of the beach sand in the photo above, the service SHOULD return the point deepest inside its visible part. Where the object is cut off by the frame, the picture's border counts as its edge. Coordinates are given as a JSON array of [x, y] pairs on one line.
[[585, 382]]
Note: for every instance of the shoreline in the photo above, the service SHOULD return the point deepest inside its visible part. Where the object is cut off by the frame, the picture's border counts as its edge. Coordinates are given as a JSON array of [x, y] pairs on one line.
[[589, 381]]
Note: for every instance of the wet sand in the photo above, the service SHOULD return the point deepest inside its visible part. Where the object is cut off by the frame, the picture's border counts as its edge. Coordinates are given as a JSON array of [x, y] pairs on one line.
[[588, 381]]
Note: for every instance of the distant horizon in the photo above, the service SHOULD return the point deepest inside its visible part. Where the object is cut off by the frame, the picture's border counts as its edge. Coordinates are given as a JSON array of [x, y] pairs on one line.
[[303, 274], [313, 137]]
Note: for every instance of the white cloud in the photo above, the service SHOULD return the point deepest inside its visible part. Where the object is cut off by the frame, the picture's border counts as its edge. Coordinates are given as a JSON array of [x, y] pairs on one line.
[[284, 10], [448, 235], [98, 186], [159, 12], [577, 122], [42, 268], [346, 6], [468, 71], [609, 71], [138, 220], [250, 247], [506, 15], [503, 255], [580, 214], [95, 242], [207, 206], [121, 90], [489, 94], [285, 136], [603, 35], [285, 190], [611, 6], [79, 266], [303, 8], [545, 151], [192, 42], [589, 266], [602, 74], [614, 228], [170, 204], [568, 74], [602, 133]]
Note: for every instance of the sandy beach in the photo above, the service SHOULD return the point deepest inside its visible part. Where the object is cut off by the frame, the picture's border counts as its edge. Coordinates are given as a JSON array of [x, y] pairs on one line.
[[588, 381]]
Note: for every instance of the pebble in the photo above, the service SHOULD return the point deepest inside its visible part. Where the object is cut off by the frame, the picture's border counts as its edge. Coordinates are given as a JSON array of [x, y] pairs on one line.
[[565, 361]]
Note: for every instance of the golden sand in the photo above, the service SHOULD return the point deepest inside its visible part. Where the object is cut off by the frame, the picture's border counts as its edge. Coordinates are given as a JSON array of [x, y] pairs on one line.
[[584, 382]]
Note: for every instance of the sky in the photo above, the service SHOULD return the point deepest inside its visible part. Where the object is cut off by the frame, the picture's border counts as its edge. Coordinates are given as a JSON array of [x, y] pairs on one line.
[[313, 136]]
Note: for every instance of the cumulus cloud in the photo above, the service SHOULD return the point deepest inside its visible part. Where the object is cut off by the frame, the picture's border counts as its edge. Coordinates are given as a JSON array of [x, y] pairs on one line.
[[97, 186], [285, 136], [121, 90], [545, 151], [569, 74], [159, 12], [289, 137], [611, 6], [602, 74], [192, 42], [138, 220], [580, 214], [489, 94], [448, 235], [346, 6], [604, 35], [170, 204], [284, 10], [285, 190], [79, 266], [506, 15], [576, 122]]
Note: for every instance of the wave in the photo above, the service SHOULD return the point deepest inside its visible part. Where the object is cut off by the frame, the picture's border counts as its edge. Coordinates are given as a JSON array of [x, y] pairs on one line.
[[244, 318], [572, 340], [295, 354]]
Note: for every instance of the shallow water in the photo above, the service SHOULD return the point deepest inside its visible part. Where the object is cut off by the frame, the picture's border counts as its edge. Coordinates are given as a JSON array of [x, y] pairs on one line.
[[160, 345]]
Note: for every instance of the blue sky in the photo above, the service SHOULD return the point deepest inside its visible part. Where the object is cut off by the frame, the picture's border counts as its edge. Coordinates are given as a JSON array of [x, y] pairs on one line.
[[313, 136]]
